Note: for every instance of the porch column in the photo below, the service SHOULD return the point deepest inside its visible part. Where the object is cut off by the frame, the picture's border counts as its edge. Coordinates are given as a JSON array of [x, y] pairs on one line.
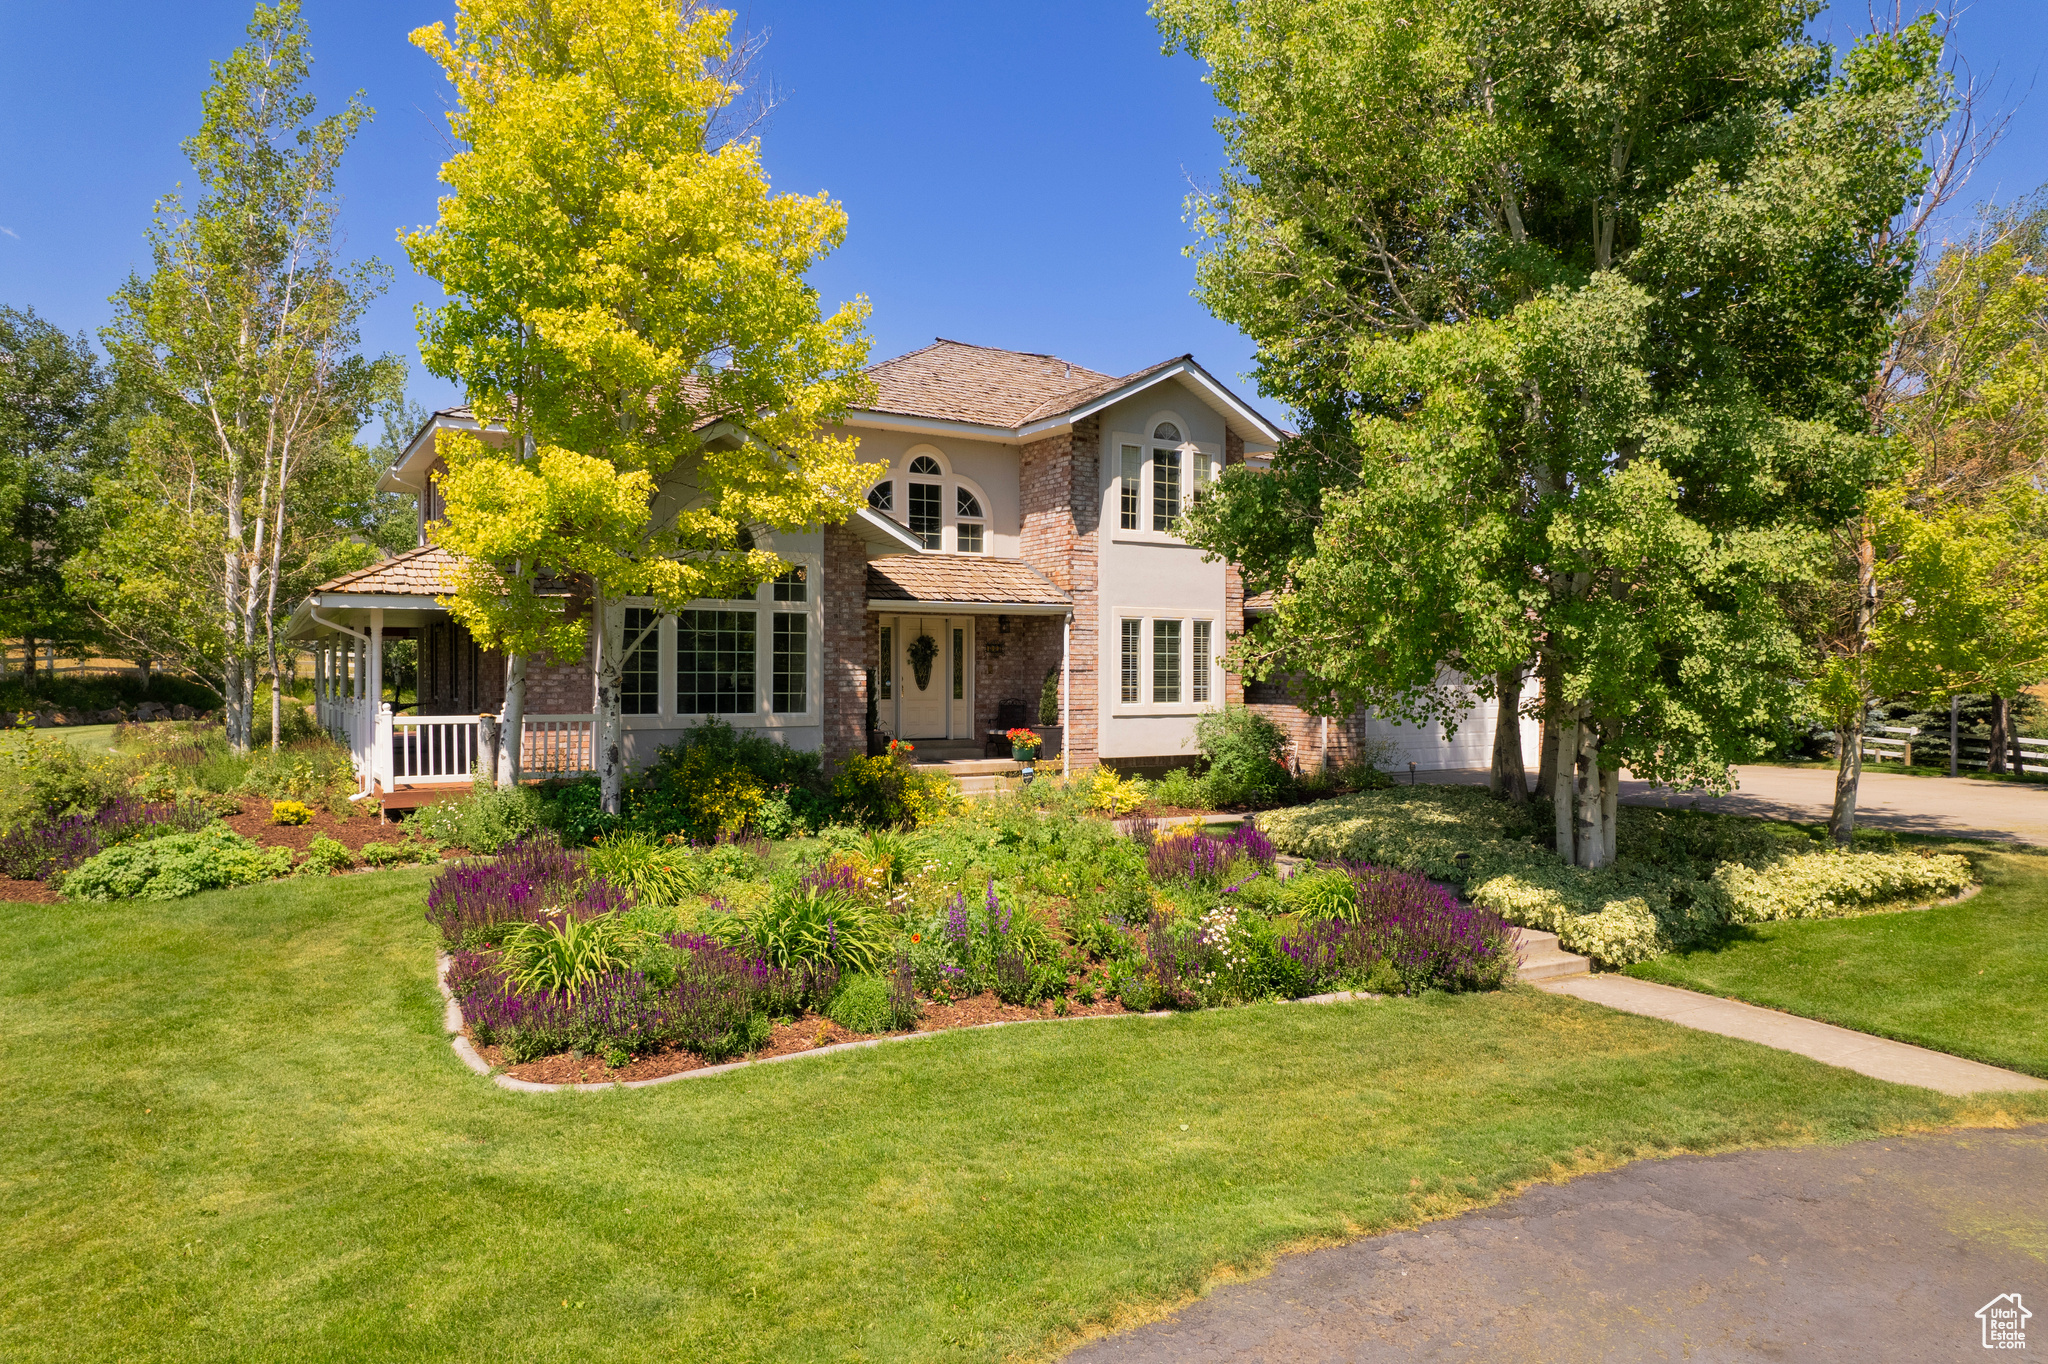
[[319, 677], [375, 688]]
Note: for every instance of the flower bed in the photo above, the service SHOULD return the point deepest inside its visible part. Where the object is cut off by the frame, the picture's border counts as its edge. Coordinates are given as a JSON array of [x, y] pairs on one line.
[[1678, 875], [1004, 912]]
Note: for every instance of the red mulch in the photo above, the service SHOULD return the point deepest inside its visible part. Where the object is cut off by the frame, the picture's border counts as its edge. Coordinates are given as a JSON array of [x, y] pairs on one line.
[[361, 827], [28, 892], [805, 1034]]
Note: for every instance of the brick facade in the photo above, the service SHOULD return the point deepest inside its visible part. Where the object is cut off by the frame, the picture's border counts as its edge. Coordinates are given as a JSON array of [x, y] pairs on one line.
[[847, 651], [1061, 480], [1012, 667], [556, 686]]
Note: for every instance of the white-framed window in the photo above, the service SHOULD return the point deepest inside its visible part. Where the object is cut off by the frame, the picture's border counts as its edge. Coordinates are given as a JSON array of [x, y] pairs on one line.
[[969, 522], [1158, 476], [1166, 663], [748, 659], [943, 509], [640, 676], [1133, 661], [1166, 636], [790, 665], [715, 662]]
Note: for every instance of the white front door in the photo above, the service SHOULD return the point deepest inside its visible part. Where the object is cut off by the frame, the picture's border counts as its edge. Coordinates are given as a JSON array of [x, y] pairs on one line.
[[924, 672]]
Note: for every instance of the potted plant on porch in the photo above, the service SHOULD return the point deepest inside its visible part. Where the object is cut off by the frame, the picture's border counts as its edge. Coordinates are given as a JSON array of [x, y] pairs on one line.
[[1024, 744]]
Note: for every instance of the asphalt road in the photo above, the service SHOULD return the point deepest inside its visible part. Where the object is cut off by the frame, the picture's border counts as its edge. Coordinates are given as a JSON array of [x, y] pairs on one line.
[[1876, 1251]]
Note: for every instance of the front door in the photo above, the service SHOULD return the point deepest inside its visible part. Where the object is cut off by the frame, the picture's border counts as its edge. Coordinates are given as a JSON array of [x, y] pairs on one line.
[[925, 672]]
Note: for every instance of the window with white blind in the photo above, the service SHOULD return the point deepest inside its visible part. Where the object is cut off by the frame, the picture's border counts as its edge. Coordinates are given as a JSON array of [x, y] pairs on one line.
[[1199, 663], [1133, 660], [1166, 662]]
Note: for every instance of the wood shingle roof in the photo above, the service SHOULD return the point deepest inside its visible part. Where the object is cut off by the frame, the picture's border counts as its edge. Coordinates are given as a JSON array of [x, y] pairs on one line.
[[961, 579]]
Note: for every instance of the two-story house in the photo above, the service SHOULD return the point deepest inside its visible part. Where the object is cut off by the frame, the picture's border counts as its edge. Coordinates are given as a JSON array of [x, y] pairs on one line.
[[1023, 522]]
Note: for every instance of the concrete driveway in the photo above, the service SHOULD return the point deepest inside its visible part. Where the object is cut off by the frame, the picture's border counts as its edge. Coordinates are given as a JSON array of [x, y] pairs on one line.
[[1957, 807], [1877, 1251], [1885, 800]]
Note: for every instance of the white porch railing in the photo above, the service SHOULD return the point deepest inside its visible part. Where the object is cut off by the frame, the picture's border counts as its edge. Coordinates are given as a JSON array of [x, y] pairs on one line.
[[426, 750], [559, 745]]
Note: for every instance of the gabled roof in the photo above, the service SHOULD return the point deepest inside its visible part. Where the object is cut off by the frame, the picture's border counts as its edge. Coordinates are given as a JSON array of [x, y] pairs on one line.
[[1020, 395], [428, 571], [955, 381], [961, 579]]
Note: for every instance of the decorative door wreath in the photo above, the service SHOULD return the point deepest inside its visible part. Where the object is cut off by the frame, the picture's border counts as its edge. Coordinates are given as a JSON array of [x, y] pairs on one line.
[[922, 651]]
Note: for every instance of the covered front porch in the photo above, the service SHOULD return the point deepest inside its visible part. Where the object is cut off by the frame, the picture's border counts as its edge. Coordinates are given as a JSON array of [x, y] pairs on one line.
[[402, 756], [962, 648]]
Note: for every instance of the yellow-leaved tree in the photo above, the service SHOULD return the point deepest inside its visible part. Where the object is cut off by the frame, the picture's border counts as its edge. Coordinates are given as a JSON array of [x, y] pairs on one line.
[[620, 282]]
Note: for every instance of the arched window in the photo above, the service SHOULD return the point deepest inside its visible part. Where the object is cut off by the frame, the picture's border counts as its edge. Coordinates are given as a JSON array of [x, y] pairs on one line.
[[968, 521], [934, 498], [1166, 477]]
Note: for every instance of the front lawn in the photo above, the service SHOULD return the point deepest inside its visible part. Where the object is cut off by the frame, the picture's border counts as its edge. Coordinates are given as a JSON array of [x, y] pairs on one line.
[[1964, 978], [237, 1132]]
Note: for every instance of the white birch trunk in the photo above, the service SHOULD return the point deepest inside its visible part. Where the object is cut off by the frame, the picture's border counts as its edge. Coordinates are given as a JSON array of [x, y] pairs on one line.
[[513, 720], [611, 738], [1561, 798]]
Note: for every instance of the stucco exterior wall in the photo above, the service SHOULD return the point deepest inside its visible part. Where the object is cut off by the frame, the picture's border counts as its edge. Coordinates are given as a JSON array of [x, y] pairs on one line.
[[1147, 574], [990, 469]]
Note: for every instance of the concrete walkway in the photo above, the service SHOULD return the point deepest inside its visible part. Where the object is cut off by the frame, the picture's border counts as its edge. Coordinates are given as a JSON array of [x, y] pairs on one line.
[[1878, 1057], [1877, 1251]]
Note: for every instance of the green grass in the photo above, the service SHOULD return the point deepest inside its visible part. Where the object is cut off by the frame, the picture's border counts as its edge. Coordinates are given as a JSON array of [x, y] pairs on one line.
[[87, 738], [1963, 978], [235, 1131]]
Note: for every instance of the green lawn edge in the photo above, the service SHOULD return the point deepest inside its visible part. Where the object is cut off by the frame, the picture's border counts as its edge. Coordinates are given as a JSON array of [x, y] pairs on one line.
[[1962, 978], [239, 1132]]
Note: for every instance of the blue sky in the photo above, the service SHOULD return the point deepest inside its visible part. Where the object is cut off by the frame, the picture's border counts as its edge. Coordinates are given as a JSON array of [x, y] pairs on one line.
[[1014, 175]]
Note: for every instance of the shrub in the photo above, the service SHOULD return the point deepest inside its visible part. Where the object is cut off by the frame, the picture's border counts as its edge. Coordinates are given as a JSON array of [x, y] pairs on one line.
[[488, 819], [405, 852], [289, 812], [530, 880], [45, 846], [653, 872], [1243, 748], [309, 769], [564, 953], [1114, 794], [886, 792], [1678, 876], [325, 855], [718, 782], [809, 924], [43, 776], [1049, 698], [1321, 896], [174, 866], [862, 1005], [1181, 789]]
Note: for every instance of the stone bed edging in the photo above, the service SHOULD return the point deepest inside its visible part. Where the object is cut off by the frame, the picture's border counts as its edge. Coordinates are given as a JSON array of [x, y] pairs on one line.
[[451, 1021]]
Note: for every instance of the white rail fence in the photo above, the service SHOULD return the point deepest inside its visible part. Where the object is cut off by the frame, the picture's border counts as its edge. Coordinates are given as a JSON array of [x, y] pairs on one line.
[[1894, 743]]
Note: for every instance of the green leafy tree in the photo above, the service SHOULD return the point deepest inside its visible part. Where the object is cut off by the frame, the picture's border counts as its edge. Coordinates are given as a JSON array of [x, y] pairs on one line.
[[1654, 243], [241, 347], [58, 430], [1934, 589], [620, 281]]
